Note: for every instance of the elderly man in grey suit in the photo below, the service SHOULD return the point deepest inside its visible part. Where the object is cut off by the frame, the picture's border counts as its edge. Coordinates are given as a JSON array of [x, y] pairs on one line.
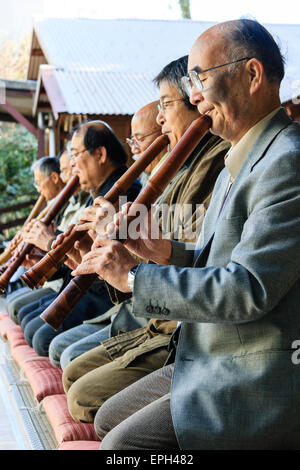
[[233, 384]]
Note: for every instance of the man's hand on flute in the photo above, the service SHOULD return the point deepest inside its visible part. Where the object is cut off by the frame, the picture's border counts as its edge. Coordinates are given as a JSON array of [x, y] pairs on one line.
[[80, 248], [96, 217], [112, 260], [32, 258], [39, 235], [143, 235]]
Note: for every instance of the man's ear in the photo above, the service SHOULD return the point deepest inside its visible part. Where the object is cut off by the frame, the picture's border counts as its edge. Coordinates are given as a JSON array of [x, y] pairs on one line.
[[101, 154], [255, 71], [55, 177]]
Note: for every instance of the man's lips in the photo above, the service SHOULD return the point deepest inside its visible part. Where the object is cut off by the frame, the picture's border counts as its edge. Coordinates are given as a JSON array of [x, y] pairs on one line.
[[206, 111]]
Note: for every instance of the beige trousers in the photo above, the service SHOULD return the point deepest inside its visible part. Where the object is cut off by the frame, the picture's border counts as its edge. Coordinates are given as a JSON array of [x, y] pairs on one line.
[[92, 378]]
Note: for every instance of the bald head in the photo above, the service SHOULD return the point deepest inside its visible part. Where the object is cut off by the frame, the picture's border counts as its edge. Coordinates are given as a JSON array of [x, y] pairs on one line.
[[144, 127], [148, 114], [144, 130], [231, 40]]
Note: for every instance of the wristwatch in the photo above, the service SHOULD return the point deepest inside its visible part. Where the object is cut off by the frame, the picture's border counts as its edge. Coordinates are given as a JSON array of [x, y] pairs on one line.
[[131, 276]]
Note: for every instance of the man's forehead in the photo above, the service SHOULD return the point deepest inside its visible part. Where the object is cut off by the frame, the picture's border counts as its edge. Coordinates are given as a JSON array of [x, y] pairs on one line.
[[167, 90], [64, 158], [38, 175], [206, 51], [76, 141], [141, 125]]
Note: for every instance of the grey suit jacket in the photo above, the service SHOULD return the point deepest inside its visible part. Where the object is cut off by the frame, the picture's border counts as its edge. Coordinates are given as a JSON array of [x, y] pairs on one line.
[[234, 384]]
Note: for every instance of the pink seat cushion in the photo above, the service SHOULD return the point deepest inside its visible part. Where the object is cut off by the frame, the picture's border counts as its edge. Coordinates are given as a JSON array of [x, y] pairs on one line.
[[63, 425], [5, 324], [15, 337], [24, 353], [43, 377], [3, 315], [80, 445]]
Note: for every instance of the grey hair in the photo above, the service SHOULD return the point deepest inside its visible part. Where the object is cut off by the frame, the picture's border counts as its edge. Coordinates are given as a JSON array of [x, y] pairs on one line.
[[46, 165], [248, 38], [172, 73]]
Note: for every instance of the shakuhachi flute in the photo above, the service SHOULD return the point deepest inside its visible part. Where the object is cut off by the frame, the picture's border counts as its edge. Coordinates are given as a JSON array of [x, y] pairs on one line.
[[7, 253], [60, 201], [13, 247], [38, 274], [62, 306]]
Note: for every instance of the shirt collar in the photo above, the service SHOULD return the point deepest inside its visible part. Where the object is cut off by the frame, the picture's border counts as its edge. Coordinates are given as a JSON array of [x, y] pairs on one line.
[[237, 154]]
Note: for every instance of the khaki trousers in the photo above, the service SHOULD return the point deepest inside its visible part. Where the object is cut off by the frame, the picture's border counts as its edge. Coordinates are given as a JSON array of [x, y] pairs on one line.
[[92, 378]]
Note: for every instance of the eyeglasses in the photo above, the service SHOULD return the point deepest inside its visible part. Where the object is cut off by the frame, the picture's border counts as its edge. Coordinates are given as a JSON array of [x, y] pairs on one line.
[[165, 104], [72, 156], [134, 141], [39, 185], [193, 80]]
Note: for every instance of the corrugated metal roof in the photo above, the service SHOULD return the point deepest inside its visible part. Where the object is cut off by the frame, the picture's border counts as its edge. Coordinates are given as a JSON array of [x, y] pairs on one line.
[[107, 66], [111, 92]]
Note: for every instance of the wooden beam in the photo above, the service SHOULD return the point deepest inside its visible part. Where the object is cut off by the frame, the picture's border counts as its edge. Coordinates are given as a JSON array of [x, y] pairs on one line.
[[37, 52], [41, 143], [36, 131], [17, 207], [20, 118]]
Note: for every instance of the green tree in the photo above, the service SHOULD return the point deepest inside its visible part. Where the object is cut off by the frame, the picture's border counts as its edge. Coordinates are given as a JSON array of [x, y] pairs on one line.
[[18, 150], [185, 8]]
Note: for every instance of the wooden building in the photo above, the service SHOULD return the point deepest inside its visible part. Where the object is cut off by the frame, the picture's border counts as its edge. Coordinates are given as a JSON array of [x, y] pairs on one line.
[[83, 69]]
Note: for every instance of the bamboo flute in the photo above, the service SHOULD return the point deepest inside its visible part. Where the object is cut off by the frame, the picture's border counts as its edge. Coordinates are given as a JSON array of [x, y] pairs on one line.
[[59, 203], [7, 253]]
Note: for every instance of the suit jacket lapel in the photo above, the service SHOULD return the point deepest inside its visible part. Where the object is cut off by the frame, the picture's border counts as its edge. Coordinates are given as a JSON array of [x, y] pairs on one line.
[[279, 122]]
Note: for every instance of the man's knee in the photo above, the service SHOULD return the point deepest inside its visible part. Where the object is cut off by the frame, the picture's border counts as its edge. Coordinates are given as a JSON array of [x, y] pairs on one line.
[[67, 356], [39, 343], [70, 375], [112, 434], [54, 353], [82, 404], [102, 420], [74, 370]]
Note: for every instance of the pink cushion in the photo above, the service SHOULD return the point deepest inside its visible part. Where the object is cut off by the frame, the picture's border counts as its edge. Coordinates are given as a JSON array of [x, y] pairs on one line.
[[43, 377], [5, 324], [15, 337], [79, 445], [63, 425], [3, 315], [24, 353]]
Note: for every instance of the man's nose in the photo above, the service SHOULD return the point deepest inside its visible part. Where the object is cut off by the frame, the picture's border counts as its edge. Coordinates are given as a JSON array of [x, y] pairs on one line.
[[73, 162], [160, 118], [196, 96], [135, 149]]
